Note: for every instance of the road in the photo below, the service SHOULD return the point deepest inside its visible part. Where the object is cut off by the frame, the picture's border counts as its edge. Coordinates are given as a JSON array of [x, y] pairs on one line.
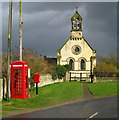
[[105, 107]]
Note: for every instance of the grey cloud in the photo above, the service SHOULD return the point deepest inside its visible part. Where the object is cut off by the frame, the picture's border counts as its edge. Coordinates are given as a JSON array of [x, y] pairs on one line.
[[104, 15], [47, 25], [57, 6]]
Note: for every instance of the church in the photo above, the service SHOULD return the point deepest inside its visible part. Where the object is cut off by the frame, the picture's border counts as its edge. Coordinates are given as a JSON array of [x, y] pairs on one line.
[[77, 53]]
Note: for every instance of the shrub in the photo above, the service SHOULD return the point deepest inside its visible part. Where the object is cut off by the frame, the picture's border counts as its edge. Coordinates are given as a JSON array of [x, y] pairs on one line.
[[32, 80], [59, 71]]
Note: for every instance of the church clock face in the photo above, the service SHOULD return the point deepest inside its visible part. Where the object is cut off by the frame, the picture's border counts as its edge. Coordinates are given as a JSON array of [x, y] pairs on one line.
[[76, 49]]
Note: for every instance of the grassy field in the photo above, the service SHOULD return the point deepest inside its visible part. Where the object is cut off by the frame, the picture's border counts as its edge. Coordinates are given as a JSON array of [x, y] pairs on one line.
[[50, 95], [103, 88]]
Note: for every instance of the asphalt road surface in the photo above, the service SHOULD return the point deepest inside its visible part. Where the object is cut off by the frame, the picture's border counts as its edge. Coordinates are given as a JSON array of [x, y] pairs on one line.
[[105, 107]]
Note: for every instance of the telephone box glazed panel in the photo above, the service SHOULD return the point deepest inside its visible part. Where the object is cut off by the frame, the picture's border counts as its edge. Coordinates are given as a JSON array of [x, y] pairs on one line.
[[19, 80]]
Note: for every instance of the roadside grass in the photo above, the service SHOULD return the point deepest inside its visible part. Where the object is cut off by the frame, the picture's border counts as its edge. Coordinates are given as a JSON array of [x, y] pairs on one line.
[[50, 95], [104, 88], [4, 113], [9, 108]]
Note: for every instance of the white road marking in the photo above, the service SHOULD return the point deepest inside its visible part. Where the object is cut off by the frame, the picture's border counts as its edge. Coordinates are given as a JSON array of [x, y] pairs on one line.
[[93, 115]]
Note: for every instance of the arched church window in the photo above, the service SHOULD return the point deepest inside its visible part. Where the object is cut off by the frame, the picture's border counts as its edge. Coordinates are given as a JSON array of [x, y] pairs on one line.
[[83, 65], [79, 25], [74, 22], [71, 64]]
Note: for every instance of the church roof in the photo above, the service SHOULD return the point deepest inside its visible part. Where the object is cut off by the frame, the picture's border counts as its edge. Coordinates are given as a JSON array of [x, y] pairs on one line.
[[63, 45], [88, 43], [76, 16]]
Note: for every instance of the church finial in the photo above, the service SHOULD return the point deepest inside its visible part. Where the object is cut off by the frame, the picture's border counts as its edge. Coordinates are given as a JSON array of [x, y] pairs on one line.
[[76, 8]]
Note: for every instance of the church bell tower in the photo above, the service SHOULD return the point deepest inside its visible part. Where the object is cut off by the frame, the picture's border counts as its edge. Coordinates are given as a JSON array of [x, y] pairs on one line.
[[76, 21]]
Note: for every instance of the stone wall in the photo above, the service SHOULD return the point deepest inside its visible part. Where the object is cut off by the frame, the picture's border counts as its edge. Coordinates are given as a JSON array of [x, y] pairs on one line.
[[47, 79]]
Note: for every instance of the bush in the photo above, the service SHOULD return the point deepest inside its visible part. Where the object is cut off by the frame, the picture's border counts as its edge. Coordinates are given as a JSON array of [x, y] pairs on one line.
[[32, 80], [59, 71]]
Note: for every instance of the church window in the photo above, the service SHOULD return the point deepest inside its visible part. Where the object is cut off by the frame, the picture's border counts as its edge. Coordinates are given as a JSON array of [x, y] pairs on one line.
[[79, 25], [76, 49], [71, 64], [83, 65], [74, 24]]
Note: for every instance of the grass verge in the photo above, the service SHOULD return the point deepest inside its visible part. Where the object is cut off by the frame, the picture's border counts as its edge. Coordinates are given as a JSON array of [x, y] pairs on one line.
[[103, 88], [50, 95], [9, 108]]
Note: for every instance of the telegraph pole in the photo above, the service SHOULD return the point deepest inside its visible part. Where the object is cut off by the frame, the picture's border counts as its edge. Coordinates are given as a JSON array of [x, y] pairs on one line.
[[9, 49], [20, 30], [91, 70]]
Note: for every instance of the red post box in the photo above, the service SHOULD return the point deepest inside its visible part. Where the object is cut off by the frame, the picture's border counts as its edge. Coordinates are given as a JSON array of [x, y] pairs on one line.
[[19, 80], [36, 78]]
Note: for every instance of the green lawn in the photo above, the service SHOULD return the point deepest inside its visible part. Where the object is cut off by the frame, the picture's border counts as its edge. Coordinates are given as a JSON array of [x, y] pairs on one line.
[[50, 95], [103, 88]]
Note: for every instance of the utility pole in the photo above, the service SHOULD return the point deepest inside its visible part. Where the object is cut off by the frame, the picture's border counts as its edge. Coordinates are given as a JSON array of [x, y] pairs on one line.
[[91, 70], [9, 49], [20, 30]]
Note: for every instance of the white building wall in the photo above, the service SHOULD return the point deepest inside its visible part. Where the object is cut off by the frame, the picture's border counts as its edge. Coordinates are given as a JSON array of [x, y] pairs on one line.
[[86, 53]]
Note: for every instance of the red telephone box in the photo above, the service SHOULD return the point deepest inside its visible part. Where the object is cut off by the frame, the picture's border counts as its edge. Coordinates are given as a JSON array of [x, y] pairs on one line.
[[19, 80]]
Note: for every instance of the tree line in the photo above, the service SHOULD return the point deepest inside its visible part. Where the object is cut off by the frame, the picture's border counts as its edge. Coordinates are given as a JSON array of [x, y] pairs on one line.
[[106, 66], [36, 63]]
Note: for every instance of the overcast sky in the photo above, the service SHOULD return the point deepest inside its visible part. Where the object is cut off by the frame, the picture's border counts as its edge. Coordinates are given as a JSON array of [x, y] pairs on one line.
[[46, 26]]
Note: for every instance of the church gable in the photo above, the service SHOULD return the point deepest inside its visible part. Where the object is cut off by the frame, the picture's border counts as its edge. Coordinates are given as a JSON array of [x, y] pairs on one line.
[[70, 44]]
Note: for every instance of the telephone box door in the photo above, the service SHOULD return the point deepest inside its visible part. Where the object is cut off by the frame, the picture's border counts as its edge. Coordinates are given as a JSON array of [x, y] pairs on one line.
[[17, 82]]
